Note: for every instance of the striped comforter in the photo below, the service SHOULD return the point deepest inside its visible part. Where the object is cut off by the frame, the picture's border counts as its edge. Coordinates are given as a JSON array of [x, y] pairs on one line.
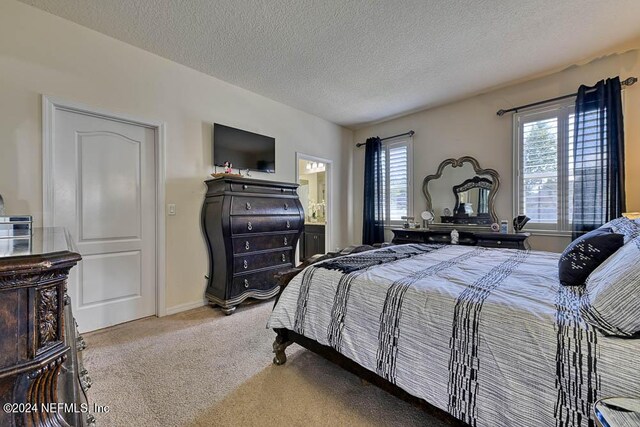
[[487, 335]]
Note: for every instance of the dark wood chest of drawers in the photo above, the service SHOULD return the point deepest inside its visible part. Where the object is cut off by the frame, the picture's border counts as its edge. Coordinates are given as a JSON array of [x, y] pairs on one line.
[[251, 228]]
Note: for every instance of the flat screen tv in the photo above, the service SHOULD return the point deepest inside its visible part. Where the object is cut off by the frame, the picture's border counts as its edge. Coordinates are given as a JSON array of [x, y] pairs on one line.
[[245, 150]]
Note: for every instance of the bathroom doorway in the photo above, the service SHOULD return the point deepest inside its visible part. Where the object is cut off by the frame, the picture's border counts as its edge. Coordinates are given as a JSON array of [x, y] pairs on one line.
[[314, 179]]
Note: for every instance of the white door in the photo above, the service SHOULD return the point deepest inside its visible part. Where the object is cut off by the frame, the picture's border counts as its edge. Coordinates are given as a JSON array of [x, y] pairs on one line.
[[104, 194]]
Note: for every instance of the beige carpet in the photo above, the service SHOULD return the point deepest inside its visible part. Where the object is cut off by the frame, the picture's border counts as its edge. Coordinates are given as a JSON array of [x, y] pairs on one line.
[[202, 368]]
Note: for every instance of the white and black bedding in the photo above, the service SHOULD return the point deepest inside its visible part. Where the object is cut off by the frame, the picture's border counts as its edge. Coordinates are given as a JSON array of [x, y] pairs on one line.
[[488, 335]]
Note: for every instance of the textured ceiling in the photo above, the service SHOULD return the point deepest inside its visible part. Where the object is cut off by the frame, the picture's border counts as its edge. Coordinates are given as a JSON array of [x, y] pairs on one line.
[[355, 62]]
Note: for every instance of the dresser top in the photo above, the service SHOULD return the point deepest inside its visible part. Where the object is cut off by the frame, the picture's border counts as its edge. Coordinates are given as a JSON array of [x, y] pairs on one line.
[[43, 248], [251, 181]]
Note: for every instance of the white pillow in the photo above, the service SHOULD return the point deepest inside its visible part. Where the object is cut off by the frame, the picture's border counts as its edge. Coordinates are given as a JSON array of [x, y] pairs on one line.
[[630, 229], [611, 301]]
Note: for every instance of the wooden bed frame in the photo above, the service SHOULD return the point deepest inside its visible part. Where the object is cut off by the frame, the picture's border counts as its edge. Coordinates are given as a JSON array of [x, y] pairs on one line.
[[286, 337]]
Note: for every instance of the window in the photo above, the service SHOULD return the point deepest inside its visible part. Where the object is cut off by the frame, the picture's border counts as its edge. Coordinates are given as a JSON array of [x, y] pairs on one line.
[[543, 148], [397, 180]]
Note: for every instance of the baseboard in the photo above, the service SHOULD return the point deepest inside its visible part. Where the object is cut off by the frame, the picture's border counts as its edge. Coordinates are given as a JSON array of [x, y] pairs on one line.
[[186, 306]]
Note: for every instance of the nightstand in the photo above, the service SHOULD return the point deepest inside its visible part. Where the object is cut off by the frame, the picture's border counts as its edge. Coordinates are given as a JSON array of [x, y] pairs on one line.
[[617, 412]]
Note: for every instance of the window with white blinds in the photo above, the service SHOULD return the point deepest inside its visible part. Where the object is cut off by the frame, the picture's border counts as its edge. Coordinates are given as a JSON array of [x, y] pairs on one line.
[[396, 182], [543, 149]]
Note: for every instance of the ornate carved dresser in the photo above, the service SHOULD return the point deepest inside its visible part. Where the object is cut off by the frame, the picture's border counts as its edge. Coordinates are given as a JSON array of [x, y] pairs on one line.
[[251, 228], [42, 380]]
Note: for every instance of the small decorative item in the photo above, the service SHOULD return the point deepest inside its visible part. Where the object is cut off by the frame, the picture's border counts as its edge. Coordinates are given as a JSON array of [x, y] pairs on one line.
[[228, 167], [407, 221], [446, 212], [455, 236], [227, 171], [519, 222], [495, 227], [427, 217], [504, 226]]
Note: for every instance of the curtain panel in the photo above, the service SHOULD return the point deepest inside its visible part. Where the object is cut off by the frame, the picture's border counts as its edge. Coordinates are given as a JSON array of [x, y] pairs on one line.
[[598, 156], [373, 221]]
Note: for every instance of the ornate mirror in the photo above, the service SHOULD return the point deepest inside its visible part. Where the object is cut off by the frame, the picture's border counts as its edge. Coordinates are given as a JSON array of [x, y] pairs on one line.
[[461, 192]]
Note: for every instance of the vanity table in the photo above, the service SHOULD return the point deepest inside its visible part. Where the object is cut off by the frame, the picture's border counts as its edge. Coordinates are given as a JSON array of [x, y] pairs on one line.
[[461, 196], [468, 238]]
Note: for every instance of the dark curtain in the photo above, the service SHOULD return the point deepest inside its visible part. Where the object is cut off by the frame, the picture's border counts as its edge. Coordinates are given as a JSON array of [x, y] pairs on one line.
[[598, 157], [373, 222]]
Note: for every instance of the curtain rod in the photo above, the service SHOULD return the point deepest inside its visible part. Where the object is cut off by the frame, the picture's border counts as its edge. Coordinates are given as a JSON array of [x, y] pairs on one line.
[[628, 82], [410, 133]]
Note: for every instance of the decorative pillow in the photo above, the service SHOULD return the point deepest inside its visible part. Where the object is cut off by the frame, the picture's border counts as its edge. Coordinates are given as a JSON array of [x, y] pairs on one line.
[[587, 252], [630, 229], [611, 301]]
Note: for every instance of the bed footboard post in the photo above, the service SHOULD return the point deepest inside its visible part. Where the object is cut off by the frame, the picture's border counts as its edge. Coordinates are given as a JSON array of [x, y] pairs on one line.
[[280, 345]]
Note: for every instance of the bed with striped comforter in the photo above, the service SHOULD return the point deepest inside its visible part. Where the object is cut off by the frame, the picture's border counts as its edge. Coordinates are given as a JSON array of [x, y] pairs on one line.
[[487, 335]]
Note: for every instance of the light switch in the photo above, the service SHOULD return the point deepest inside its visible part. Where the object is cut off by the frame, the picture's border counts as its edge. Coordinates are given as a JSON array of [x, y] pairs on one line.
[[172, 209]]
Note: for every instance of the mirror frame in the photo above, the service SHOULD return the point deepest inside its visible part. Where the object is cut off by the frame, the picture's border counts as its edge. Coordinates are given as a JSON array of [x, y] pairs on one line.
[[469, 184], [478, 170]]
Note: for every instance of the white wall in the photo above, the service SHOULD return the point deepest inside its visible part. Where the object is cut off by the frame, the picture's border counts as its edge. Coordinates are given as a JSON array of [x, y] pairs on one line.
[[471, 127], [44, 54]]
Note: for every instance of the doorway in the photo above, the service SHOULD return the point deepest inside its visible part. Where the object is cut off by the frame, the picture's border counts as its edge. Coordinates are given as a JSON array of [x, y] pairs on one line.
[[314, 180], [101, 185]]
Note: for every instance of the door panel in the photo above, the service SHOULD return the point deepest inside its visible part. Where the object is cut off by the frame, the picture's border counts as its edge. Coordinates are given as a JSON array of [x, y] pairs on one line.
[[110, 277], [104, 194], [110, 208]]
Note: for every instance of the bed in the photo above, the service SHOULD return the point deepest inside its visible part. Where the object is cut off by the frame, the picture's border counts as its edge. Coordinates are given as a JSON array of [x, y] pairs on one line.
[[486, 335]]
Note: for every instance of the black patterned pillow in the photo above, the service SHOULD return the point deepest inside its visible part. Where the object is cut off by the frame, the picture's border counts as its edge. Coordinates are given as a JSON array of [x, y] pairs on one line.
[[611, 301], [587, 252], [630, 229]]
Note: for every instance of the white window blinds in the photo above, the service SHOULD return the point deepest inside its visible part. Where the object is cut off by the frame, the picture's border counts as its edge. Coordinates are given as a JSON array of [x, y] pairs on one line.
[[543, 146], [397, 188]]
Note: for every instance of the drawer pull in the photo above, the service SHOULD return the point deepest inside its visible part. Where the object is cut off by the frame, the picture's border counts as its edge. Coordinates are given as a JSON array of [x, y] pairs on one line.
[[248, 206], [284, 257], [246, 245], [81, 344], [85, 380], [244, 186], [249, 226], [286, 206], [498, 242], [245, 264], [285, 241], [246, 283], [288, 224], [282, 190]]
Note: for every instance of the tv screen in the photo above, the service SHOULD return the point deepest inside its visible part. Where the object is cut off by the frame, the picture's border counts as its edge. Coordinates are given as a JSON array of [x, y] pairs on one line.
[[245, 150]]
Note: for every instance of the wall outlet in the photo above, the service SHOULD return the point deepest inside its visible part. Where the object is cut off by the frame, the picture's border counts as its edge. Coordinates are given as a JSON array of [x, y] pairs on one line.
[[172, 209]]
